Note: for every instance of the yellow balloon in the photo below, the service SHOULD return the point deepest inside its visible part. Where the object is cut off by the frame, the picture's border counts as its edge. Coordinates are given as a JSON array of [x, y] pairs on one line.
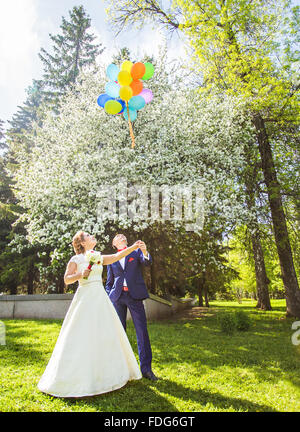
[[124, 78], [126, 93], [112, 107], [126, 66]]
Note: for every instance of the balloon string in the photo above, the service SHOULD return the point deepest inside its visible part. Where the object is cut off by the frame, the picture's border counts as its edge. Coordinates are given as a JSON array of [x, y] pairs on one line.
[[130, 127]]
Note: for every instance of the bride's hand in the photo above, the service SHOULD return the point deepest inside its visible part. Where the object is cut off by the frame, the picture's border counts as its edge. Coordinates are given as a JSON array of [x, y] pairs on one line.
[[85, 273], [138, 244]]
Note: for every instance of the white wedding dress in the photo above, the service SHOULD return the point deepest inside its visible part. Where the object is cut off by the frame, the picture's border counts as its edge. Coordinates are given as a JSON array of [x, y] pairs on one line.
[[92, 354]]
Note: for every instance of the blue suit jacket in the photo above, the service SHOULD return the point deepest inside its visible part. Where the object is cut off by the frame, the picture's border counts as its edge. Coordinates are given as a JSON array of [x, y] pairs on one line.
[[132, 273]]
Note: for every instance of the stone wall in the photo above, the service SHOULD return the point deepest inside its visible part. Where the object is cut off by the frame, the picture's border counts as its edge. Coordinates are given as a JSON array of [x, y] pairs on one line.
[[55, 306]]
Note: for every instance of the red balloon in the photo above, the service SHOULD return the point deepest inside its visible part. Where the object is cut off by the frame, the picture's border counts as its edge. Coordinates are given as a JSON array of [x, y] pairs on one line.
[[138, 70], [137, 87]]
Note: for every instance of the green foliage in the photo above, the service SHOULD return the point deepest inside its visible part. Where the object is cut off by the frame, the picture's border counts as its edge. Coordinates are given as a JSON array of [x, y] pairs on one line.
[[240, 258], [226, 40], [242, 47]]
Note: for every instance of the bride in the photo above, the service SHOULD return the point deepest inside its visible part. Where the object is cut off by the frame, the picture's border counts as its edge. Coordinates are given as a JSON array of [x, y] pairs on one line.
[[92, 354]]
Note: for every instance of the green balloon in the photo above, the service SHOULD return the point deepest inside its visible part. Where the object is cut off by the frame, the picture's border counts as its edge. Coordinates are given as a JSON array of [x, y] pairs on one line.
[[149, 71]]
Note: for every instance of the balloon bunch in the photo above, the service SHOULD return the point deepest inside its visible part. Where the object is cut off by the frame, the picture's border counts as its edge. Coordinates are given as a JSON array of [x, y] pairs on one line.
[[125, 93]]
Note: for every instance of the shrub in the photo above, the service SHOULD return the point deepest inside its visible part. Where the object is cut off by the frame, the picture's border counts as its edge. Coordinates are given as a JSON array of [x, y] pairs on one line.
[[227, 323], [242, 320]]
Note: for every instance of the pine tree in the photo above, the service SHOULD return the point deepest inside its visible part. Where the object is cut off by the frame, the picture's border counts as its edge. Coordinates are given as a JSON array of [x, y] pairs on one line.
[[19, 135], [125, 54], [22, 121], [28, 112], [15, 268], [6, 195], [122, 55], [73, 50], [3, 144]]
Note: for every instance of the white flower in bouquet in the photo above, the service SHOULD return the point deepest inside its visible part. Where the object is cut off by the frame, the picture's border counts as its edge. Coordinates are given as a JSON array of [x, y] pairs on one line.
[[93, 257]]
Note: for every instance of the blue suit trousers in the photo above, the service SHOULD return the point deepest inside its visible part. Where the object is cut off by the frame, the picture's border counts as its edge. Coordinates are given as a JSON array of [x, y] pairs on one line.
[[137, 311]]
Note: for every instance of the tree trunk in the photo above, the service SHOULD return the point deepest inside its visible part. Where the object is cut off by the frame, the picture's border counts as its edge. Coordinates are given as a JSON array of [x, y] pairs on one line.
[[13, 289], [153, 276], [30, 278], [204, 289], [262, 281], [206, 296], [250, 177], [200, 291], [290, 282], [61, 286]]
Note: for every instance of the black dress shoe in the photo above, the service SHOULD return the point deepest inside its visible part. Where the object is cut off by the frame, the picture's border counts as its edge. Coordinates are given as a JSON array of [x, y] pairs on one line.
[[150, 375]]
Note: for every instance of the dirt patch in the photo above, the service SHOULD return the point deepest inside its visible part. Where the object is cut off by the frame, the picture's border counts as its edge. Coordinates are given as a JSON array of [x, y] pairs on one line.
[[195, 312]]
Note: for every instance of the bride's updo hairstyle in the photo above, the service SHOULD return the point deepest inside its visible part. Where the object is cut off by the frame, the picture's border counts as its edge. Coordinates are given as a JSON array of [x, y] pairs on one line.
[[76, 242]]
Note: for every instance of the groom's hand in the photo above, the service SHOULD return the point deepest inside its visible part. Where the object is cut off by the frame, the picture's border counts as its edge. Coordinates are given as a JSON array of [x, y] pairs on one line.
[[137, 244], [143, 248]]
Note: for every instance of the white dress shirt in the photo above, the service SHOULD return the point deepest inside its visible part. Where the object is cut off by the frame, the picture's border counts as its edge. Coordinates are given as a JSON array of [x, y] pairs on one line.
[[122, 262]]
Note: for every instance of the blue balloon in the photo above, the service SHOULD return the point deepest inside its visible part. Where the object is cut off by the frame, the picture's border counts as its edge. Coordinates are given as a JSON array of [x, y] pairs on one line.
[[102, 99], [112, 89], [136, 102], [112, 72], [132, 114]]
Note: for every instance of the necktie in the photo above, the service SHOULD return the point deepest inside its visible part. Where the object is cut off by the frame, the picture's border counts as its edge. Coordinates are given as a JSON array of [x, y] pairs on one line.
[[125, 287]]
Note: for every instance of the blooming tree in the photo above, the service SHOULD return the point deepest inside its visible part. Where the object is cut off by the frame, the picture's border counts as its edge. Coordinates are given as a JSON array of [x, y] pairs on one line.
[[180, 139]]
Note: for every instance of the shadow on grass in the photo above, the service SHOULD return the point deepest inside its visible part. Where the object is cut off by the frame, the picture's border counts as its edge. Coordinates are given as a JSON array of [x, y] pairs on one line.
[[23, 344], [213, 398], [137, 396], [143, 397]]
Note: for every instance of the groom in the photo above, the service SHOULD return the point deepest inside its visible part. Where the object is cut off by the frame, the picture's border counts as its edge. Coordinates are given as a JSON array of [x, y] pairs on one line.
[[126, 289]]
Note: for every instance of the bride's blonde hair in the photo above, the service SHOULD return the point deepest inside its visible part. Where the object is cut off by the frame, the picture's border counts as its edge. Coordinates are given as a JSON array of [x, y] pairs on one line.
[[76, 242]]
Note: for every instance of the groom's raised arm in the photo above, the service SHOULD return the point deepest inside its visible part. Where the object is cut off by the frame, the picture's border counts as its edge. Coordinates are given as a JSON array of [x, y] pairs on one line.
[[110, 279], [145, 260]]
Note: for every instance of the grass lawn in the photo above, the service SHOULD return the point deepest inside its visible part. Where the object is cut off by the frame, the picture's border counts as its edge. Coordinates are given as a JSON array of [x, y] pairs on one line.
[[201, 368]]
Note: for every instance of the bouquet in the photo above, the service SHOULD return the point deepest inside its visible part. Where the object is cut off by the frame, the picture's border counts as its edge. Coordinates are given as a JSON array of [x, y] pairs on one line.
[[92, 257]]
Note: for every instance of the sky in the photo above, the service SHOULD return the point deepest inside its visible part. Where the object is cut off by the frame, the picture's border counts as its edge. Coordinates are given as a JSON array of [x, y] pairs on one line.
[[24, 29]]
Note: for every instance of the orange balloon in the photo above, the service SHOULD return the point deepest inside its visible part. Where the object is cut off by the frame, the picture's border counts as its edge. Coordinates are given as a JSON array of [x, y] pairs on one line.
[[137, 87], [138, 70]]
